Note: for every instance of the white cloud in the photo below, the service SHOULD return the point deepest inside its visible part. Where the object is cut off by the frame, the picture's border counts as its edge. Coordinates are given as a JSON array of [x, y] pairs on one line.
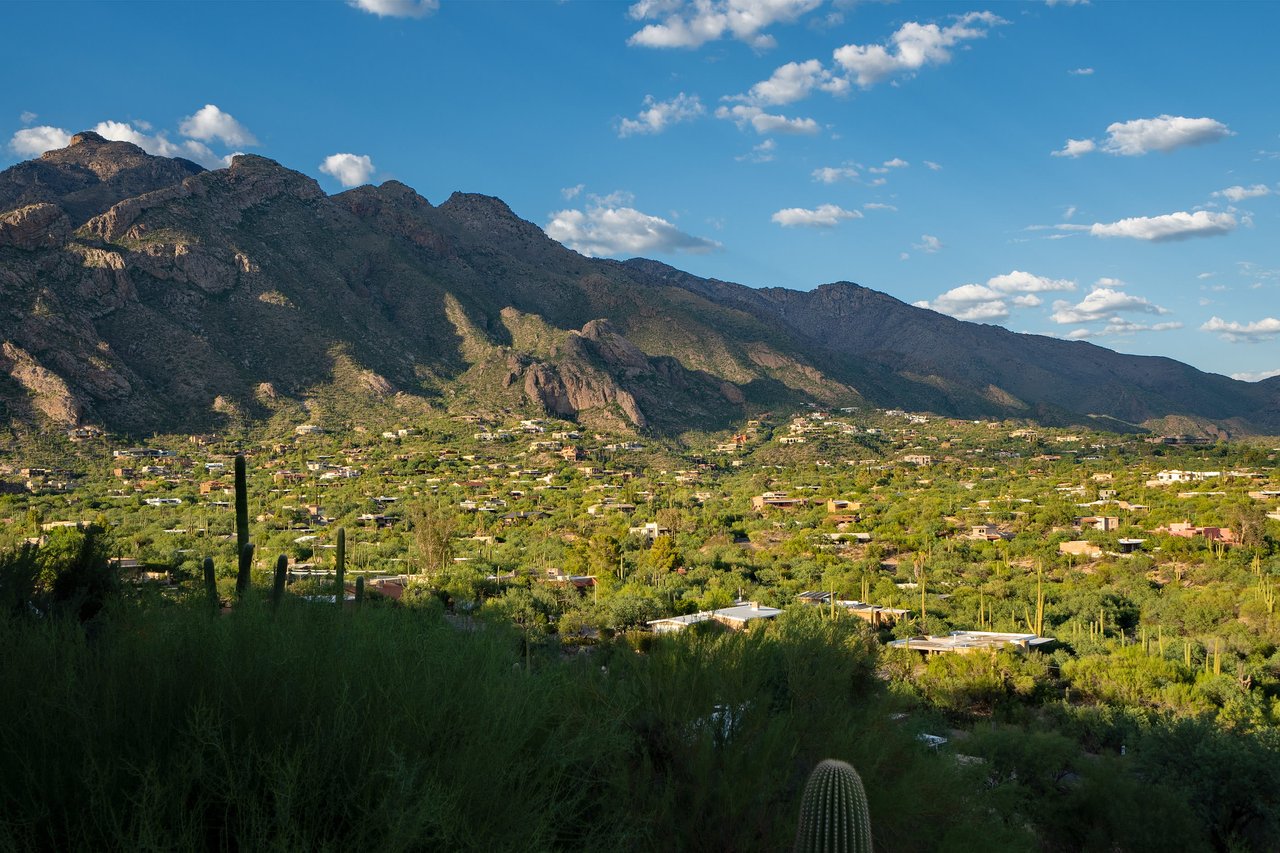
[[762, 153], [875, 205], [1162, 133], [834, 174], [658, 115], [1168, 227], [27, 117], [913, 46], [159, 144], [1256, 375], [1143, 135], [1075, 148], [764, 123], [1080, 72], [692, 24], [823, 216], [933, 167], [1018, 281], [209, 123], [608, 229], [34, 141], [1100, 304], [972, 302], [573, 191], [396, 8], [1265, 329], [351, 170], [1239, 193], [991, 301], [928, 243], [896, 163], [793, 82]]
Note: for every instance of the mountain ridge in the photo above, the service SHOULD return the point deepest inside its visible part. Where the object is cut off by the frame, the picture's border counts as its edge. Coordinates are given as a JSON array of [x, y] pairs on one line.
[[149, 294]]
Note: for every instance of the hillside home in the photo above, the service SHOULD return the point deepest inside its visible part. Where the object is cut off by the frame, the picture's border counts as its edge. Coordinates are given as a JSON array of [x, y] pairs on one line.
[[876, 614], [651, 530], [1187, 530], [1093, 522], [776, 500], [964, 642]]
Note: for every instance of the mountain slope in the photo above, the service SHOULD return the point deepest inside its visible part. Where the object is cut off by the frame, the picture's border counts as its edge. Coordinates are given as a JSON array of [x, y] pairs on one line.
[[147, 294]]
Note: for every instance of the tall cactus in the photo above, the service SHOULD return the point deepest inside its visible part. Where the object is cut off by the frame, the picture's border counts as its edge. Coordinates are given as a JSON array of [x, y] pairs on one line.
[[833, 812], [359, 590], [340, 565], [277, 585], [243, 569], [242, 526], [211, 585]]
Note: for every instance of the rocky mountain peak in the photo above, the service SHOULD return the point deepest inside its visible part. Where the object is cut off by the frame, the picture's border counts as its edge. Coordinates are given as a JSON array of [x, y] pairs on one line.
[[86, 137]]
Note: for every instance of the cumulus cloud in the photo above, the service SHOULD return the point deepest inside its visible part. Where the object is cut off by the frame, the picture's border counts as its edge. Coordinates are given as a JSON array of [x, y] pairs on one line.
[[34, 141], [765, 123], [822, 216], [1080, 72], [1100, 304], [1256, 375], [1143, 135], [928, 244], [205, 125], [608, 226], [1168, 227], [351, 170], [28, 117], [209, 123], [1239, 193], [1265, 329], [793, 82], [912, 47], [657, 115], [159, 144], [396, 8], [573, 191], [692, 24], [834, 174], [973, 302], [992, 301], [1162, 133], [762, 153], [1018, 281], [1075, 148]]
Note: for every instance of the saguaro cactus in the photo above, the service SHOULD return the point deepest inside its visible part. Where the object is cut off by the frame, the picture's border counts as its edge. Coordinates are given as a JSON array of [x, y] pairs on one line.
[[340, 565], [833, 812], [211, 584], [359, 590], [244, 568], [277, 585], [242, 527]]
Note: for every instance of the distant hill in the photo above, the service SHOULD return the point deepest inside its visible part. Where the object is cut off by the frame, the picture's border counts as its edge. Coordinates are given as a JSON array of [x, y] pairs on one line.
[[147, 294]]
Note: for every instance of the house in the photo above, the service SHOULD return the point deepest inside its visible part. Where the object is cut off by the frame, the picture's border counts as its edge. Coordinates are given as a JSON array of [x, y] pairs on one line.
[[775, 500], [876, 614], [308, 429], [1131, 546], [1080, 548], [651, 530], [1187, 530], [737, 617], [841, 506], [985, 533], [921, 459], [964, 642], [1103, 523]]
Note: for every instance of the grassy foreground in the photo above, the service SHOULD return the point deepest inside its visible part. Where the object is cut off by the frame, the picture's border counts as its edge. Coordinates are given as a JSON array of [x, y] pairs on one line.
[[389, 729]]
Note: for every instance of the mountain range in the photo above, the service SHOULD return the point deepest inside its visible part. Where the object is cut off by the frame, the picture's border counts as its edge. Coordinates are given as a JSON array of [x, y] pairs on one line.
[[148, 294]]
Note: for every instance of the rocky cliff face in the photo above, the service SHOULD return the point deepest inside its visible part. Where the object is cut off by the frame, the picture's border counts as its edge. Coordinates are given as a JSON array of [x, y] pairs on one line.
[[148, 294]]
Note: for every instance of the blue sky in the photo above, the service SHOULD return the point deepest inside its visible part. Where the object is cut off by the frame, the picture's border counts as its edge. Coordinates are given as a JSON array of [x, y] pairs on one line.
[[1104, 171]]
